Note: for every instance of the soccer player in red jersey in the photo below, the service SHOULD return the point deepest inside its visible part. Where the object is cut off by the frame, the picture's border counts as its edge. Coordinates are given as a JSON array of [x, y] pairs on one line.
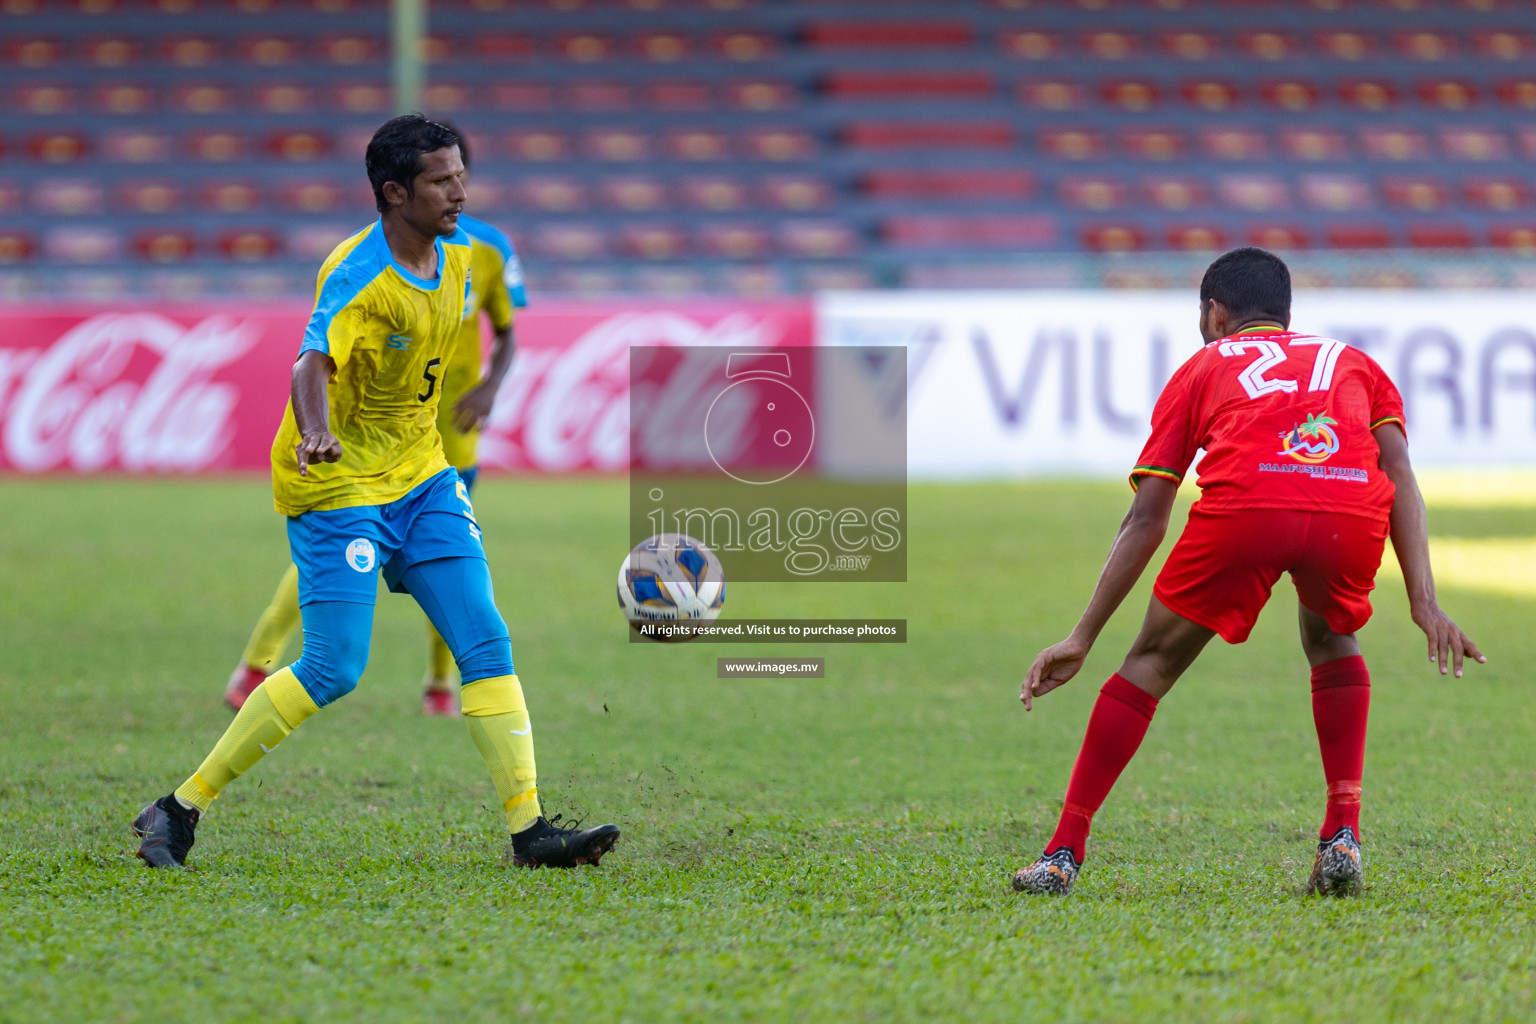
[[1305, 471]]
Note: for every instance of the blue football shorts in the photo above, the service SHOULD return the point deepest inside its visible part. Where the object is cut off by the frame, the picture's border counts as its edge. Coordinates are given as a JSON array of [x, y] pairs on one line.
[[340, 552]]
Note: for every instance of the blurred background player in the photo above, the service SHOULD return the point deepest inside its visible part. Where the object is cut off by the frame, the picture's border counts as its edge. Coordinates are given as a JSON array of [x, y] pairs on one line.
[[1306, 471], [496, 290], [358, 468]]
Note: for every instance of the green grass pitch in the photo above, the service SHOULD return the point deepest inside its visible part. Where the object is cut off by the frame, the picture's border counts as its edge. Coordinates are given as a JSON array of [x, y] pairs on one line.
[[818, 850]]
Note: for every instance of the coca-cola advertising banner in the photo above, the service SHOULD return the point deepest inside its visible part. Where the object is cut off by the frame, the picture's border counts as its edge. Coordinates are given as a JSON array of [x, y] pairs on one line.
[[186, 389]]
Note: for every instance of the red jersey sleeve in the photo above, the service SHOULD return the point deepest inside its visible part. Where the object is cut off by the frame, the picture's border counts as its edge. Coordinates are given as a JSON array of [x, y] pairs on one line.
[[1174, 441], [1386, 401]]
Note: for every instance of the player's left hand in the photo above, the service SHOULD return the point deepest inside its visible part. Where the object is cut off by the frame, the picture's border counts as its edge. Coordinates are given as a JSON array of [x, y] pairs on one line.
[[472, 409], [1448, 645], [1053, 666]]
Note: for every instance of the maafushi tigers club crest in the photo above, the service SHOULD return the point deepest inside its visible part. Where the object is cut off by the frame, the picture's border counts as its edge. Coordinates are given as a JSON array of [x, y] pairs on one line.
[[1313, 441]]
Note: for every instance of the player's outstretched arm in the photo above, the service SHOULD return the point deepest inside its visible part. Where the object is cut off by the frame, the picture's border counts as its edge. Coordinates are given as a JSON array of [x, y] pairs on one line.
[[1140, 534], [1448, 645], [312, 410], [475, 406]]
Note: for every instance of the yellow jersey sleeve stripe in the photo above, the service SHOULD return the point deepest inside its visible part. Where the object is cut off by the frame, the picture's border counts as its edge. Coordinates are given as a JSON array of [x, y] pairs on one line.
[[1159, 471]]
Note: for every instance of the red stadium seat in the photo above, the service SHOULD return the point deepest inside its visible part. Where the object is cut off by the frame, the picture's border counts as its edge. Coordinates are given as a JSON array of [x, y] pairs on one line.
[[743, 47], [93, 7], [570, 242], [136, 147], [503, 46], [1439, 236], [538, 146], [909, 85], [985, 184], [955, 231], [946, 135], [123, 100], [551, 194], [1133, 96], [46, 100], [1359, 236], [253, 6], [1416, 193], [164, 246], [1392, 143], [779, 145], [283, 99], [662, 47], [225, 196], [1336, 192], [361, 97], [800, 193], [1278, 236], [1052, 94], [1090, 193], [110, 51], [447, 97], [1347, 46], [1211, 94], [716, 193], [1447, 93], [521, 95], [617, 145], [634, 193], [16, 246], [217, 146], [761, 94], [1113, 238], [698, 144], [83, 244], [1031, 45], [585, 47], [1518, 92], [1234, 144], [1525, 135], [652, 241], [1071, 143], [1368, 94], [882, 35], [1267, 45], [1257, 193], [10, 197], [31, 52], [1159, 144], [734, 241], [311, 242], [154, 196], [1173, 193], [1504, 45], [1520, 237], [58, 147], [1496, 193], [65, 197], [1289, 94], [269, 51], [202, 98], [437, 49], [590, 94], [1478, 144], [190, 51], [679, 94], [311, 195], [1109, 45], [1425, 45], [1314, 145], [1196, 238], [299, 146], [1188, 44], [249, 245], [350, 50], [817, 239], [20, 8]]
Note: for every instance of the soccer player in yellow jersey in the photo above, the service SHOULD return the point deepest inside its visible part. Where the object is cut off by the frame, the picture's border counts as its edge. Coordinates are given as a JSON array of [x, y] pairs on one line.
[[496, 289], [358, 469]]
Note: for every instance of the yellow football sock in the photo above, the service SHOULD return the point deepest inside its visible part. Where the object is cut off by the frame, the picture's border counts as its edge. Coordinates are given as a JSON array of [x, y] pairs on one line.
[[276, 625], [440, 658], [498, 722], [274, 709]]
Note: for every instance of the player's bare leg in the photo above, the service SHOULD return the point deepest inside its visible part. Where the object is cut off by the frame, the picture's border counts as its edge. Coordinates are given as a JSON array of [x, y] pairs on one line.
[[1341, 700], [1166, 646]]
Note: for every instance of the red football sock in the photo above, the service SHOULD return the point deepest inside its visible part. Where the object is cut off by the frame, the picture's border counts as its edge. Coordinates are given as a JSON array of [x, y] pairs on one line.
[[1341, 703], [1115, 729]]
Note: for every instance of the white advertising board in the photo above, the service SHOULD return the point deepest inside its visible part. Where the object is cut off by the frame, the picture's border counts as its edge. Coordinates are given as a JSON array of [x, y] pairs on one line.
[[1032, 383]]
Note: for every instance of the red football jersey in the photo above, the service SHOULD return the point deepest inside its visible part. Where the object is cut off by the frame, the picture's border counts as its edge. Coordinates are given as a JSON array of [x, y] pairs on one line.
[[1285, 420]]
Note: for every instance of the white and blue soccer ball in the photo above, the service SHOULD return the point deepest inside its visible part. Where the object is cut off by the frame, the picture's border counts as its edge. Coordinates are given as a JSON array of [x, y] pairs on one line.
[[668, 578]]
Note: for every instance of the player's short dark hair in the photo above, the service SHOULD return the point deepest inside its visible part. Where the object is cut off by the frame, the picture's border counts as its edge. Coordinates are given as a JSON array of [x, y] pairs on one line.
[[1253, 283], [463, 140], [395, 151]]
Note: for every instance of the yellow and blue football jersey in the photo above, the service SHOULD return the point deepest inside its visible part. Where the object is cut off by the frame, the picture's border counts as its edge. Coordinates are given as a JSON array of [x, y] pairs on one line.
[[391, 335], [496, 289]]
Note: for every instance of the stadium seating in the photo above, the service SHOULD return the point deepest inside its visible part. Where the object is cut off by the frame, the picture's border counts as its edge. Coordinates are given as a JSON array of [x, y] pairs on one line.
[[770, 143]]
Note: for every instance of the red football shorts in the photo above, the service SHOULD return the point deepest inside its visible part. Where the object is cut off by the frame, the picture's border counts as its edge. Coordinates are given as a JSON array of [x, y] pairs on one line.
[[1224, 565]]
